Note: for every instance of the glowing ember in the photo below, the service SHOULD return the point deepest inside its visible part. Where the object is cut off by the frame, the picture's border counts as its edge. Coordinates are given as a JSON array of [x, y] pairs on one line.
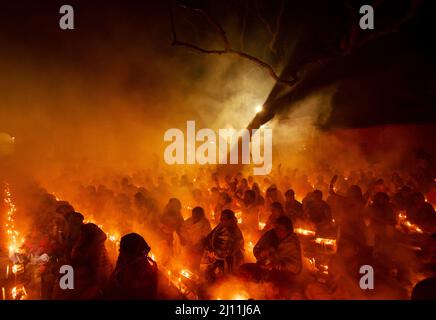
[[238, 216], [186, 273], [403, 221], [241, 296], [250, 245], [312, 261], [324, 268], [17, 268], [19, 293], [413, 227], [304, 232], [326, 242]]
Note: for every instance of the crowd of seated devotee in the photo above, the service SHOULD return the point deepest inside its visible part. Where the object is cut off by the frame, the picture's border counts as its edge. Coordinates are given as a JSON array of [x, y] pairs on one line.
[[206, 220]]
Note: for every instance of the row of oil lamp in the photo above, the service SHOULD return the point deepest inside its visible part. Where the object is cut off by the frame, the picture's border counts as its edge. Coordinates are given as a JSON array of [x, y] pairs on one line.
[[18, 292]]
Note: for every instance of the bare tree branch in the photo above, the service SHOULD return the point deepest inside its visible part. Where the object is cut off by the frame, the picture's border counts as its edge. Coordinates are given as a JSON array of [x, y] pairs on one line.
[[299, 71], [218, 27], [274, 33], [227, 49], [261, 18], [277, 29]]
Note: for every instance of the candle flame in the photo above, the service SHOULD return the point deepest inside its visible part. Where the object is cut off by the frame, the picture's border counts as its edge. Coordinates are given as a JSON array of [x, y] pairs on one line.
[[238, 216], [19, 292], [304, 232]]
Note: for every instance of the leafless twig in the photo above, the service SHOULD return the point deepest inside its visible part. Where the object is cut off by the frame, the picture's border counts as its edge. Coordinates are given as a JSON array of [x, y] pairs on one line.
[[227, 48]]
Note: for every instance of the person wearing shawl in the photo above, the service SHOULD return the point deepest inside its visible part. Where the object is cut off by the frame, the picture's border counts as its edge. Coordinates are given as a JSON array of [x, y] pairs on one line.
[[136, 275], [224, 246]]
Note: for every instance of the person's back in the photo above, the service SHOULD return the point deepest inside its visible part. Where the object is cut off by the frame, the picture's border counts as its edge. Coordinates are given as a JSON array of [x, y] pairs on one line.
[[195, 229], [91, 265], [276, 212], [250, 210], [136, 280], [171, 220], [135, 276], [293, 208], [425, 290], [288, 255], [318, 211], [381, 210]]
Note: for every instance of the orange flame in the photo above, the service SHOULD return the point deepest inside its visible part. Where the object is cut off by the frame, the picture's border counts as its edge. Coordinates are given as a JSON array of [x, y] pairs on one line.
[[305, 232], [238, 216], [403, 221], [326, 242], [19, 293]]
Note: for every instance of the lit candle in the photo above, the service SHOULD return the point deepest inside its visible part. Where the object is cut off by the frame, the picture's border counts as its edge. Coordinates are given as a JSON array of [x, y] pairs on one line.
[[7, 271], [3, 293]]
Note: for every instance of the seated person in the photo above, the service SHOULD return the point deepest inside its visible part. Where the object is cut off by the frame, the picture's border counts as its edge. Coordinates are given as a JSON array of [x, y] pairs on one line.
[[293, 208], [278, 255], [224, 246], [276, 212], [192, 233], [135, 276]]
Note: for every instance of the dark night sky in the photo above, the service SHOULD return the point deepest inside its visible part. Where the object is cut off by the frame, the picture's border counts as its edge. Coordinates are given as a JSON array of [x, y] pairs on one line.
[[116, 75], [112, 30]]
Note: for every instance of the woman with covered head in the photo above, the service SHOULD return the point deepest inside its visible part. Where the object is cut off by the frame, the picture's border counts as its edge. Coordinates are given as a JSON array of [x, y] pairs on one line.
[[136, 275], [192, 234], [224, 246], [90, 263], [171, 220]]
